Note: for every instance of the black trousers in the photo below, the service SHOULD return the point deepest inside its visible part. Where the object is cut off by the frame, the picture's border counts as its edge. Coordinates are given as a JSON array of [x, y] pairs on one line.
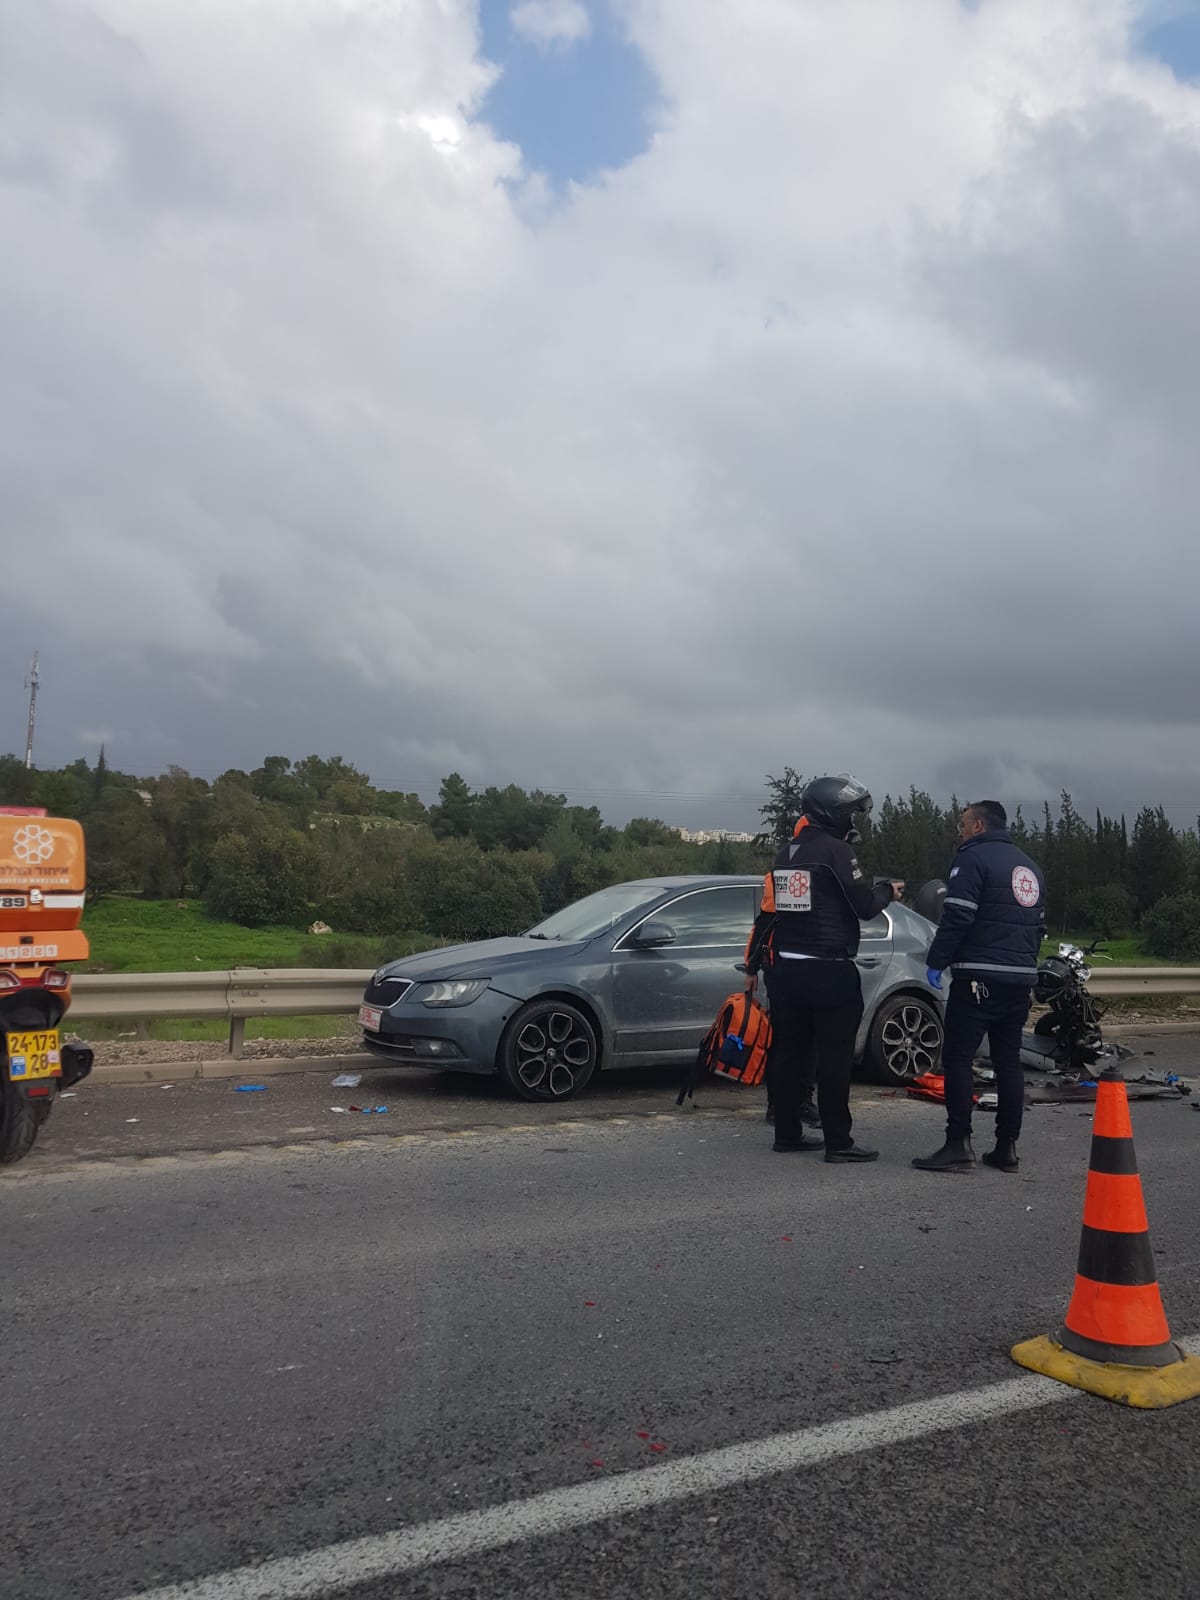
[[816, 1007], [1000, 1011]]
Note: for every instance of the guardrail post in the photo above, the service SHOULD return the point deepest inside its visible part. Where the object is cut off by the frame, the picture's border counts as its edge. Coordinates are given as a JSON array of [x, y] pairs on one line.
[[237, 1036]]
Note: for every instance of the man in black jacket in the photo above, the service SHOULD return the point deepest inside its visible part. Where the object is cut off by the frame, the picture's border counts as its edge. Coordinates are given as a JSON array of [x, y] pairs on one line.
[[805, 939], [990, 935]]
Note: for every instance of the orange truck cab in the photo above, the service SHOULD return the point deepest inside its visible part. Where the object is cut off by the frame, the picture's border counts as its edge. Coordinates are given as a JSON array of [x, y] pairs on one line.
[[42, 887]]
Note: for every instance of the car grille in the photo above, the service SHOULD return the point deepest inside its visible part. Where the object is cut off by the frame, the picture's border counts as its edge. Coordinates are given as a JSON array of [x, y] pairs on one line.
[[386, 991]]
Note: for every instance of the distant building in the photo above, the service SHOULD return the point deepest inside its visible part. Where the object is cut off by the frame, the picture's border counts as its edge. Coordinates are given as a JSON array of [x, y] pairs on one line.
[[713, 836]]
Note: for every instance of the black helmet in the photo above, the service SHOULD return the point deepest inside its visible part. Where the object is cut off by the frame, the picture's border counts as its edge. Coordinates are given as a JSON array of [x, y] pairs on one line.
[[1054, 975], [833, 803], [927, 902]]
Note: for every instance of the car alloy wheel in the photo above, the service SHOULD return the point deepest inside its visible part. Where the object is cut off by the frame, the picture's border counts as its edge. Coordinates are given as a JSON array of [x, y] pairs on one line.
[[549, 1051], [906, 1039]]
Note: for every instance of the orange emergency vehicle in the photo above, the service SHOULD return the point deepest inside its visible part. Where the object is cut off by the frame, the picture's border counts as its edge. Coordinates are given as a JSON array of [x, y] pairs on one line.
[[42, 890]]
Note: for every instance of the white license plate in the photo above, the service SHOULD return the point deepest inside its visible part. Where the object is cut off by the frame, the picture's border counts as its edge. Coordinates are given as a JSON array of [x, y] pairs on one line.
[[370, 1017]]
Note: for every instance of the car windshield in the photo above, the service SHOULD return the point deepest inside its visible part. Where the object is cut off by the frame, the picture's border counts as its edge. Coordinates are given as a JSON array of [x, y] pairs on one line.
[[595, 914]]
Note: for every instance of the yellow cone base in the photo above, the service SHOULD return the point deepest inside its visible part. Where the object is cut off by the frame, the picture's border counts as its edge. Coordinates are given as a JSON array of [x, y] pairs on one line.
[[1149, 1388]]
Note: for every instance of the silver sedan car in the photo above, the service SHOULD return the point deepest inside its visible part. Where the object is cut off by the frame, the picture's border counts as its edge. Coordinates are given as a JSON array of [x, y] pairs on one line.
[[630, 976]]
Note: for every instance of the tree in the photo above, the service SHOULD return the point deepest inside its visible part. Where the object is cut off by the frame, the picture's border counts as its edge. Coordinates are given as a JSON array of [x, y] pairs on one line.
[[364, 881], [1107, 910], [263, 878], [404, 807], [123, 845], [1156, 859], [1172, 928], [454, 813], [16, 782], [464, 894], [912, 839], [510, 819], [646, 831], [181, 811], [275, 781], [1074, 842], [781, 811]]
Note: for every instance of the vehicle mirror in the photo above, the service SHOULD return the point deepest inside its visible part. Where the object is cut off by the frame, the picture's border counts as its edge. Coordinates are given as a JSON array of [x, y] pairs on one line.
[[652, 935]]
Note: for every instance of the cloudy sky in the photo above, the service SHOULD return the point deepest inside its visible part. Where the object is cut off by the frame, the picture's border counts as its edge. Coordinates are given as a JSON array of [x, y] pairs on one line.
[[629, 397]]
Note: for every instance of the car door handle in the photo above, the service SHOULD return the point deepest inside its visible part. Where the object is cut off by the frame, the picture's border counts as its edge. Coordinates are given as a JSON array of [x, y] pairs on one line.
[[870, 961]]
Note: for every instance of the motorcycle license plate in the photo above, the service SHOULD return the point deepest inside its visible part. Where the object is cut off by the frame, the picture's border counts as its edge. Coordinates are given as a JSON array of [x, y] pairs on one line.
[[370, 1017], [34, 1055]]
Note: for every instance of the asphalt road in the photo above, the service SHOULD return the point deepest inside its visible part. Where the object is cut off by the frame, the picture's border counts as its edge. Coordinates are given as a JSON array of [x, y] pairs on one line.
[[247, 1343]]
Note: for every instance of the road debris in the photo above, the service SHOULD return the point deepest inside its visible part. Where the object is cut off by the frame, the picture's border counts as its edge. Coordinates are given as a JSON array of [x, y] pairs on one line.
[[250, 1088], [347, 1080]]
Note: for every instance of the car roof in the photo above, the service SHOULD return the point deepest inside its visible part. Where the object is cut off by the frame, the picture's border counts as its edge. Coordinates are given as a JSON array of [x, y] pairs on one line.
[[696, 880]]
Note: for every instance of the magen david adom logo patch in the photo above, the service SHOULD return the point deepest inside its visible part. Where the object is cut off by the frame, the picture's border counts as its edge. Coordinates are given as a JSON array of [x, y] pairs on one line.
[[1025, 887]]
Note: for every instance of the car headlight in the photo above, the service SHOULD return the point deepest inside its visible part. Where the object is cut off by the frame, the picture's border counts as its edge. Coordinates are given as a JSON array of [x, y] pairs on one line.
[[451, 992]]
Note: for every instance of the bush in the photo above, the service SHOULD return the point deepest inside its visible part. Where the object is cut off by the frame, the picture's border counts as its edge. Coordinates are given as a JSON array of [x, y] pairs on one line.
[[462, 893], [267, 878], [1172, 927], [1106, 911], [364, 880]]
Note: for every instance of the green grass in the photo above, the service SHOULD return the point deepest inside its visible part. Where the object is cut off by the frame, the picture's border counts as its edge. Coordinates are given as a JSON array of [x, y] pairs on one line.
[[217, 1032], [129, 934], [133, 935], [1123, 952]]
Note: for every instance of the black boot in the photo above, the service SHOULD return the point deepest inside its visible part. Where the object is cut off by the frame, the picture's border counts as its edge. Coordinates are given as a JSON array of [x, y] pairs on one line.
[[787, 1146], [852, 1152], [956, 1155], [1003, 1157], [808, 1113]]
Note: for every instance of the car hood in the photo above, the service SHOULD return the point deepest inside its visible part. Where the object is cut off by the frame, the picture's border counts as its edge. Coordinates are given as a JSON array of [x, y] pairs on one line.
[[483, 959]]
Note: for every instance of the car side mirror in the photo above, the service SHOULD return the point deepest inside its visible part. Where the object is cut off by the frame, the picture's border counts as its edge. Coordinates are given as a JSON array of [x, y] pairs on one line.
[[653, 935]]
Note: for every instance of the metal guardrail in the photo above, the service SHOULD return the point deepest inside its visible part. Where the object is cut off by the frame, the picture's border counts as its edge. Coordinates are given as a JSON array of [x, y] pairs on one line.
[[242, 992], [235, 994], [1144, 980]]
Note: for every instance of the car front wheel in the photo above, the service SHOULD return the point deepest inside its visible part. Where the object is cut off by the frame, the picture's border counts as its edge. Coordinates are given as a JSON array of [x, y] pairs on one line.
[[548, 1051], [905, 1040]]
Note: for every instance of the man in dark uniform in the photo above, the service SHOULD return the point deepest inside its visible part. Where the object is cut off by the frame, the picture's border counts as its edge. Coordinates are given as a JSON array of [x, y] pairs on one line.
[[990, 935], [805, 939]]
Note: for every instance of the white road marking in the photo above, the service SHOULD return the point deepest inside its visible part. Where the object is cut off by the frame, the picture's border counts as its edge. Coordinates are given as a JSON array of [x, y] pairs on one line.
[[338, 1567]]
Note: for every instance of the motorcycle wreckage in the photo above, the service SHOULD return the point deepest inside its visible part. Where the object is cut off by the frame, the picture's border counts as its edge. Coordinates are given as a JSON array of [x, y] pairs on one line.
[[1066, 1041], [42, 881]]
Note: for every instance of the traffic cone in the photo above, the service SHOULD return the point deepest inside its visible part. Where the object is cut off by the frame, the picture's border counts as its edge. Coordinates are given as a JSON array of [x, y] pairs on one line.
[[1114, 1340]]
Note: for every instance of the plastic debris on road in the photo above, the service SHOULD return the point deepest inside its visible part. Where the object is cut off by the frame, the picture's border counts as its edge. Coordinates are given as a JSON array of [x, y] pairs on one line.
[[370, 1111], [347, 1080], [250, 1088], [341, 1110]]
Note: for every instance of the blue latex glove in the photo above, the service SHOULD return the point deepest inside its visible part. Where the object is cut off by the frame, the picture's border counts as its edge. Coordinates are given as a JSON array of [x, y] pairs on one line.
[[933, 977]]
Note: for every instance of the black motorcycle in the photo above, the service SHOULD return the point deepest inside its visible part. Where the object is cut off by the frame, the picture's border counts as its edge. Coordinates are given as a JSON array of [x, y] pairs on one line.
[[1066, 1039]]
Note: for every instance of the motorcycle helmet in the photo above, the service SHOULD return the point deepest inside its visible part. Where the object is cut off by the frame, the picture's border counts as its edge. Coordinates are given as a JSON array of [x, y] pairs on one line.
[[833, 803], [1054, 976], [927, 902]]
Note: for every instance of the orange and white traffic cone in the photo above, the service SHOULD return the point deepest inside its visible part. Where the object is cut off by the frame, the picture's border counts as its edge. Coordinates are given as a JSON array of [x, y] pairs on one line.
[[1115, 1341]]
